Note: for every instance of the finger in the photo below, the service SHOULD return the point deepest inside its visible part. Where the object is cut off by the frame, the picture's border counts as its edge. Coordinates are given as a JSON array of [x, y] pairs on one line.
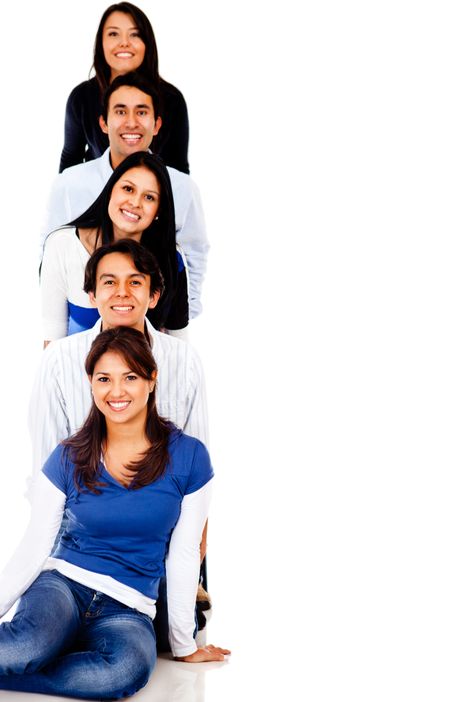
[[210, 647]]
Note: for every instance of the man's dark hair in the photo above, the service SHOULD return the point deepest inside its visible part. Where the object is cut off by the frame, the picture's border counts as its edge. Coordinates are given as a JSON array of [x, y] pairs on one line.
[[143, 260]]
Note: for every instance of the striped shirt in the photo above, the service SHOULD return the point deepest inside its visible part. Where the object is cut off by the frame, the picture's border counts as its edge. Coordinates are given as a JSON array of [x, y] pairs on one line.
[[61, 396]]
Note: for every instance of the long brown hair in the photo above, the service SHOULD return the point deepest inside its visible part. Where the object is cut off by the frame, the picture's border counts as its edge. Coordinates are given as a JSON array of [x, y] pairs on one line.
[[85, 446]]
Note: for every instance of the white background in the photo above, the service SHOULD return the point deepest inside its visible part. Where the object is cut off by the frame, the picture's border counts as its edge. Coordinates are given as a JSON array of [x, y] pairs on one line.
[[320, 142]]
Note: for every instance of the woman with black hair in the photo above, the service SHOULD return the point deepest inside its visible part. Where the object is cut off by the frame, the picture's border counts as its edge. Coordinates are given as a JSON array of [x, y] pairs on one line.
[[124, 42], [136, 492], [135, 203]]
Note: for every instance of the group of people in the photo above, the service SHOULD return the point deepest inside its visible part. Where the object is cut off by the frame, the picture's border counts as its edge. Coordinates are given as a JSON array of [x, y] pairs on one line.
[[108, 570]]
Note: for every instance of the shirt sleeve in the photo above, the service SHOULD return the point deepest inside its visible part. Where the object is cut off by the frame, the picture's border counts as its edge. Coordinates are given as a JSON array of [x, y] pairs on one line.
[[182, 570], [53, 286], [47, 416], [192, 238], [26, 563], [57, 213], [74, 137], [197, 407]]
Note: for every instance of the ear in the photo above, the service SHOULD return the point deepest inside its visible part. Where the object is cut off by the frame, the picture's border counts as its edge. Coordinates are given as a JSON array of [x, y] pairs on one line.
[[92, 299], [103, 125], [154, 299], [152, 382], [157, 127]]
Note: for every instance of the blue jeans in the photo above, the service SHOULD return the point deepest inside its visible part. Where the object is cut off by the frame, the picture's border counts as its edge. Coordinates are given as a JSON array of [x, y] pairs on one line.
[[66, 639]]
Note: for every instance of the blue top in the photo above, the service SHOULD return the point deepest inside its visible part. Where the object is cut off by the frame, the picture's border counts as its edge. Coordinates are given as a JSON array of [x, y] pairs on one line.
[[125, 533]]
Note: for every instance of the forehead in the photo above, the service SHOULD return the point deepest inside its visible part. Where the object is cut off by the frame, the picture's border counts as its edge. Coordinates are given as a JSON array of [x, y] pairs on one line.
[[130, 97], [142, 176], [119, 265], [119, 19]]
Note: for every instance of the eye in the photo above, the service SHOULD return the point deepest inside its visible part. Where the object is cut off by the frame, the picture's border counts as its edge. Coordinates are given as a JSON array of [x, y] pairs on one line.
[[103, 379], [135, 33], [112, 33], [132, 377], [127, 188], [150, 198], [142, 113], [108, 282], [120, 112], [135, 283]]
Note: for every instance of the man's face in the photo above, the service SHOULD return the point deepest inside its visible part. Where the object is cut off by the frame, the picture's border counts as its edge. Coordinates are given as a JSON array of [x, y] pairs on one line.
[[131, 123], [122, 293]]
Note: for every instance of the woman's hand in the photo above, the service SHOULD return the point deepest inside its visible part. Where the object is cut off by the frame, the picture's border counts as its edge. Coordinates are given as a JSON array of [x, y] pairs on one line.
[[205, 654]]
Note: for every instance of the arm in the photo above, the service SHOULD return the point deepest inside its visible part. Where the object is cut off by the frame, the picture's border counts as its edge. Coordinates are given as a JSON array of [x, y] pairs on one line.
[[58, 210], [26, 563], [47, 416], [191, 237], [53, 288], [196, 423], [182, 569], [177, 320], [74, 137]]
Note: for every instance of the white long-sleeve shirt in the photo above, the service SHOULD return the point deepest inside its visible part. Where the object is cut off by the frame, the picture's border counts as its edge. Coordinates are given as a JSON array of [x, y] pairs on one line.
[[182, 563], [76, 188], [61, 396]]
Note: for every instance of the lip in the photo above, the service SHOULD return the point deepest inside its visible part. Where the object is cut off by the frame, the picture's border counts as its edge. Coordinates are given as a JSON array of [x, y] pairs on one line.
[[124, 54], [122, 309], [129, 216], [131, 138], [118, 405]]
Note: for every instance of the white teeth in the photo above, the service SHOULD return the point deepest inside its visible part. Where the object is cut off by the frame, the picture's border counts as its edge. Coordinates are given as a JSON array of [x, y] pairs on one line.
[[124, 54], [131, 137], [122, 308], [131, 215], [118, 405]]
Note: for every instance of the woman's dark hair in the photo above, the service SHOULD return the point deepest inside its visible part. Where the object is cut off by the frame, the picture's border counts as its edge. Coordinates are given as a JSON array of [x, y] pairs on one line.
[[86, 446], [158, 238], [149, 66]]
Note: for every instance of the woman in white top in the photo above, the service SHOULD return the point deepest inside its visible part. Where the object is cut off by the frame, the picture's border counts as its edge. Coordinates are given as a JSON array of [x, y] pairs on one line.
[[136, 203], [136, 492]]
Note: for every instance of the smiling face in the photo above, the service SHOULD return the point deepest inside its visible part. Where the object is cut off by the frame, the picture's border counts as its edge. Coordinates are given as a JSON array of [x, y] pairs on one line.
[[120, 394], [131, 123], [122, 293], [134, 203], [123, 48]]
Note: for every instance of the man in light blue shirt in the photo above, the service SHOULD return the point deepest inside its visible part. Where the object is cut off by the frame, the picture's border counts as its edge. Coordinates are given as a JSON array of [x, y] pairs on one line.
[[130, 119]]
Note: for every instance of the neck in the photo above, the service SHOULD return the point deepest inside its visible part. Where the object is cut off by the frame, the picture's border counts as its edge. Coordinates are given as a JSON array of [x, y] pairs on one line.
[[119, 234], [129, 435], [140, 326]]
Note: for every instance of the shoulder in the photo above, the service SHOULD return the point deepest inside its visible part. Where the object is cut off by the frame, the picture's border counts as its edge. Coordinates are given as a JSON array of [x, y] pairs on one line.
[[79, 171], [172, 93], [87, 90], [190, 458], [71, 351], [58, 467], [168, 349], [182, 182], [61, 238]]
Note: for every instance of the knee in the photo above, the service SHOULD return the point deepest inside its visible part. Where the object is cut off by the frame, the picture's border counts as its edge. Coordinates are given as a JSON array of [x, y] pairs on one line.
[[125, 676]]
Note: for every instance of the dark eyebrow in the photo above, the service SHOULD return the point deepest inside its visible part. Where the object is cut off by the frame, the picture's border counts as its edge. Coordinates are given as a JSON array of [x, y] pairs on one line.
[[113, 275], [113, 26], [136, 107]]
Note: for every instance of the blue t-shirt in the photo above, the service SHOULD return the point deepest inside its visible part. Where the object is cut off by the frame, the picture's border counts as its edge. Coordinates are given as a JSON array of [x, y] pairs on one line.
[[125, 533]]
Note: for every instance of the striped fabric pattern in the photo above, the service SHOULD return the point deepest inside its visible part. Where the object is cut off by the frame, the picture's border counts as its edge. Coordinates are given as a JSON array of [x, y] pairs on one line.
[[61, 396]]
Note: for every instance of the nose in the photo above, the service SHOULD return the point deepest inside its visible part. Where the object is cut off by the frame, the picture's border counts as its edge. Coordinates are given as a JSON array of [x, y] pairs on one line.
[[116, 388], [124, 40], [131, 121], [121, 289]]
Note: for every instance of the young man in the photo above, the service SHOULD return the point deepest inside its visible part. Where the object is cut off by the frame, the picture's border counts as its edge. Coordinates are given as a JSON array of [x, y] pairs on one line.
[[123, 280], [130, 119]]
